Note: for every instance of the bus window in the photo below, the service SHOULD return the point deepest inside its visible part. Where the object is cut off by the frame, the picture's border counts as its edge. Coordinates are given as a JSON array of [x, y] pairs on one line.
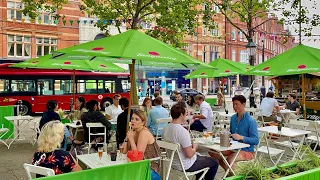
[[125, 85], [4, 86], [110, 86], [23, 85], [62, 87], [86, 86], [45, 87]]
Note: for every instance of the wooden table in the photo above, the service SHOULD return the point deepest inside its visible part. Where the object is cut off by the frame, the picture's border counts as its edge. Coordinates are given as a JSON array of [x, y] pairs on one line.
[[214, 144]]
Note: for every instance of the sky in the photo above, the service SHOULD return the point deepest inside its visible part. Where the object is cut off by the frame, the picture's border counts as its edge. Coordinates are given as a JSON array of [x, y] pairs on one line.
[[316, 30]]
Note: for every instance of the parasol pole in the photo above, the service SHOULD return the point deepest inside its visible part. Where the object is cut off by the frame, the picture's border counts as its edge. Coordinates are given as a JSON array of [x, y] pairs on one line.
[[304, 97], [132, 78], [73, 89]]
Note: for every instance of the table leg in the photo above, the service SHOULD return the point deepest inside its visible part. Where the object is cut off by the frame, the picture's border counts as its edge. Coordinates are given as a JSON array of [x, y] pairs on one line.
[[227, 163]]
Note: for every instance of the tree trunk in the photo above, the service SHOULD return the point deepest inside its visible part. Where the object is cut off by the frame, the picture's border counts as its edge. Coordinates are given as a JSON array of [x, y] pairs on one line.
[[133, 88]]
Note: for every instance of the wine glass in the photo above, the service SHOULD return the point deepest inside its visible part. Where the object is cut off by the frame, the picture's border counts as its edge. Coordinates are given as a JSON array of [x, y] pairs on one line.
[[121, 150], [100, 153]]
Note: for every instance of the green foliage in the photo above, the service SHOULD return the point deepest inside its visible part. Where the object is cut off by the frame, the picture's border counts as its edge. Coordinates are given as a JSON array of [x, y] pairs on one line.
[[253, 170], [175, 17]]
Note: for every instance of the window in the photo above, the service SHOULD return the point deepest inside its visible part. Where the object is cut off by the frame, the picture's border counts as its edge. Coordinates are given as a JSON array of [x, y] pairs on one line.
[[233, 55], [4, 85], [110, 86], [45, 87], [216, 9], [233, 34], [23, 85], [146, 25], [19, 46], [45, 45], [214, 53], [244, 58], [14, 10], [190, 48], [204, 53], [204, 31], [62, 87], [211, 32], [214, 32], [240, 36]]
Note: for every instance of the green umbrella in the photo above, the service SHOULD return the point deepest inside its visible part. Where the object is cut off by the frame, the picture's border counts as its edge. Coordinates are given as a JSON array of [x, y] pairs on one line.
[[298, 60], [224, 68], [46, 62], [131, 44]]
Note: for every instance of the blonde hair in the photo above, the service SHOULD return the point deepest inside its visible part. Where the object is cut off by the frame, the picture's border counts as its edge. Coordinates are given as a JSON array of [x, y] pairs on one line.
[[50, 137], [142, 115]]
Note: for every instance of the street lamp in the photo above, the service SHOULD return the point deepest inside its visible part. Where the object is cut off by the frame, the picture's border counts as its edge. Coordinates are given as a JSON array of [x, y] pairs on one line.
[[251, 46], [252, 52]]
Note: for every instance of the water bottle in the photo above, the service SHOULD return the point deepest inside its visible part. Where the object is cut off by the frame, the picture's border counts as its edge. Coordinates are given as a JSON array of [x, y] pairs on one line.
[[225, 138]]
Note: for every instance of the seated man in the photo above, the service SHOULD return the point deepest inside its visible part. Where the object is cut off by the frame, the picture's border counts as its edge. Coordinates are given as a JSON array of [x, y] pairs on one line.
[[176, 133], [156, 94], [122, 121], [179, 98], [157, 113], [205, 119], [293, 105], [243, 128], [268, 104], [113, 110]]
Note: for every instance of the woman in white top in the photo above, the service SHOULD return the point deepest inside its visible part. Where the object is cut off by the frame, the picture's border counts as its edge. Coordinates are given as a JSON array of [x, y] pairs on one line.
[[176, 133]]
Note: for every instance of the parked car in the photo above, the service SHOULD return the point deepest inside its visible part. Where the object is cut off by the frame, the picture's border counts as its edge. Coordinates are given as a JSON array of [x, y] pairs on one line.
[[184, 93]]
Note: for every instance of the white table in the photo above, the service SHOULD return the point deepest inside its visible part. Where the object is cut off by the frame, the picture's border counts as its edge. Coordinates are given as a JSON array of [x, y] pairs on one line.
[[214, 144], [93, 160], [75, 126], [286, 132], [285, 114], [20, 120]]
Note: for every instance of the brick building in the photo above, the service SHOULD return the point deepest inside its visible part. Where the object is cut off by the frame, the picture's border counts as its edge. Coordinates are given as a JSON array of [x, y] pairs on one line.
[[22, 38]]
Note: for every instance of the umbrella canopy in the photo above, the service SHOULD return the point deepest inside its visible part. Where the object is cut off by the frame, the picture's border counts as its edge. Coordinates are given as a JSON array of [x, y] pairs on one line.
[[224, 68], [131, 44], [298, 60], [46, 62]]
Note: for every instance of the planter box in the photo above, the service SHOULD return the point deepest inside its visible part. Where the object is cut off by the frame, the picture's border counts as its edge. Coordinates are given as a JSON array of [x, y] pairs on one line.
[[313, 174]]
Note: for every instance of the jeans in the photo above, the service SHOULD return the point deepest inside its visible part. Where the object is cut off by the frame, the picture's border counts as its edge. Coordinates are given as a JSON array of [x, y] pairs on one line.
[[197, 126], [203, 162], [154, 175], [67, 134]]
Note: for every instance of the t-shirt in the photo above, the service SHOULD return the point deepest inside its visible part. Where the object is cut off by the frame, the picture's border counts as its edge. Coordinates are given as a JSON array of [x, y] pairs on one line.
[[267, 105], [292, 106], [206, 111], [59, 161], [113, 111], [176, 133]]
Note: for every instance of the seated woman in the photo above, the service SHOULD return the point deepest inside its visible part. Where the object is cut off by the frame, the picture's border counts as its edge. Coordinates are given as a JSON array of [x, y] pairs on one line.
[[48, 153], [51, 115], [176, 133], [93, 116], [243, 128], [192, 106], [81, 108], [146, 105], [141, 139]]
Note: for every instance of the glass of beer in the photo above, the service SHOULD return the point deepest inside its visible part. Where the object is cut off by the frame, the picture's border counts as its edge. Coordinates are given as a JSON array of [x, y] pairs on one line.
[[100, 153], [121, 151]]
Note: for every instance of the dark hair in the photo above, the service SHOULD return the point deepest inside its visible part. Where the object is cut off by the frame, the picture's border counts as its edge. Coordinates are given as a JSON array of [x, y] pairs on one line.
[[116, 95], [178, 93], [90, 105], [239, 98], [192, 102], [158, 101], [51, 104], [182, 103], [83, 102], [270, 94], [124, 102], [177, 110], [293, 96], [145, 101], [156, 94]]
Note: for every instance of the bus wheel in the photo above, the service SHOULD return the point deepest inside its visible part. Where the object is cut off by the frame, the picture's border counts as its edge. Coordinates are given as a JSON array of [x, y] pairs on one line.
[[26, 108], [105, 103]]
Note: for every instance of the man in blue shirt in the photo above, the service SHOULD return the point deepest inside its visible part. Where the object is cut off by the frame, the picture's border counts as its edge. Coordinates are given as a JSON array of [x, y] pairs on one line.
[[157, 113], [243, 128]]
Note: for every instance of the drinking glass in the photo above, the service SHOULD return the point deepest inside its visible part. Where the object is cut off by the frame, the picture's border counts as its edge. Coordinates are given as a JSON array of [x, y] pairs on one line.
[[100, 153], [121, 150]]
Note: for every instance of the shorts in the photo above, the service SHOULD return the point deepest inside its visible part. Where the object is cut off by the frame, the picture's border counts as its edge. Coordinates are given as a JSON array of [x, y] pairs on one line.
[[245, 154]]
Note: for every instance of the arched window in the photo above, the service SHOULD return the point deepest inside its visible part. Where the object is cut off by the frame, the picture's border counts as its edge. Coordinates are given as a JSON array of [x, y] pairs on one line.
[[99, 36]]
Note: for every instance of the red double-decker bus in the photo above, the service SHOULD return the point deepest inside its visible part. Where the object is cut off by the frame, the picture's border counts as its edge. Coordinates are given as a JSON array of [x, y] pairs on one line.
[[34, 87]]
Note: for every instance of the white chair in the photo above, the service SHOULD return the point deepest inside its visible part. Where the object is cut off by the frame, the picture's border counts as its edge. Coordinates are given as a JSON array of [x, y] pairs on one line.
[[104, 134], [37, 170], [174, 149], [159, 122], [35, 128], [3, 132], [315, 136]]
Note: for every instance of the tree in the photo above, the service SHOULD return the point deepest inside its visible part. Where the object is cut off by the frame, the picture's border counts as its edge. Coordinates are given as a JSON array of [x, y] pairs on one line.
[[173, 18]]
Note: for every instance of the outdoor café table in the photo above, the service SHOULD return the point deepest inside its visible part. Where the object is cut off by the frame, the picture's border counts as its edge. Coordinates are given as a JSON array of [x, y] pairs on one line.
[[21, 121], [214, 144], [74, 126], [285, 114], [286, 132], [93, 160]]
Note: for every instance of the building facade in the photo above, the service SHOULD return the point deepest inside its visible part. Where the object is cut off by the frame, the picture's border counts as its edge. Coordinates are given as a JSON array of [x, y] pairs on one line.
[[23, 38]]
